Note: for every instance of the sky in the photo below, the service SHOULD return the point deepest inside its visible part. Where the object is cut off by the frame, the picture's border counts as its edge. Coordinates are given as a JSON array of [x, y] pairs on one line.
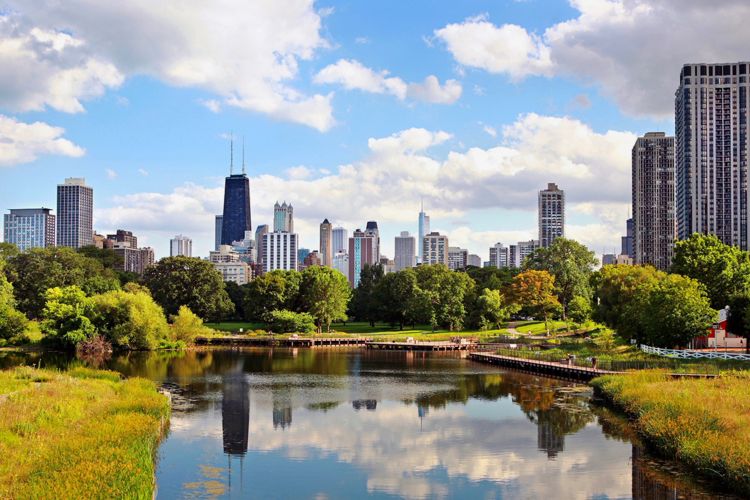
[[351, 111]]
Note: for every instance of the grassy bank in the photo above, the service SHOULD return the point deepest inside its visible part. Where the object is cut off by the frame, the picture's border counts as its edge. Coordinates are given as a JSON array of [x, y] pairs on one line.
[[78, 434], [703, 423]]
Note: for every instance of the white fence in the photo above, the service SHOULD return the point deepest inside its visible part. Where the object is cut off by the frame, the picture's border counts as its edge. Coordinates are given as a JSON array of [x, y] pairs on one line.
[[690, 354]]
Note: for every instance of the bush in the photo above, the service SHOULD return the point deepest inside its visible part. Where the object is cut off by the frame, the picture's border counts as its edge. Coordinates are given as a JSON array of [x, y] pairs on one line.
[[129, 320], [64, 317], [186, 326], [291, 322]]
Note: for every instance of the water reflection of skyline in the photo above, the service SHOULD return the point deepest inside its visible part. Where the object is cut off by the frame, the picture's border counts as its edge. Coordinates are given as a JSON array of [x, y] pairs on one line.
[[235, 411]]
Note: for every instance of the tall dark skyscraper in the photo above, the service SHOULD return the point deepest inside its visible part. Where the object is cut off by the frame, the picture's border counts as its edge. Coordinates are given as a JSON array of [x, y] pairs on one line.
[[236, 218]]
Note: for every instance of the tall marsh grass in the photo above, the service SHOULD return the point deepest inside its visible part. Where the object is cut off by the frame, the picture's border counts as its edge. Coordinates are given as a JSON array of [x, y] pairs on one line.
[[79, 434], [703, 423]]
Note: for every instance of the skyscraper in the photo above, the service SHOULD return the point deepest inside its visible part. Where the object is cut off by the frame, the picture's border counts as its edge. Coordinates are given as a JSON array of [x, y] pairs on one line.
[[500, 256], [236, 217], [653, 199], [180, 245], [326, 243], [341, 263], [627, 240], [424, 229], [405, 251], [75, 212], [551, 214], [340, 240], [372, 230], [281, 251], [435, 249], [711, 127], [362, 251], [29, 228], [218, 222], [283, 218]]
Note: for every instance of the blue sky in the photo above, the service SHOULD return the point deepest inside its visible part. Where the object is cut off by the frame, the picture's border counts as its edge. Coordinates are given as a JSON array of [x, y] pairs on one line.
[[483, 103]]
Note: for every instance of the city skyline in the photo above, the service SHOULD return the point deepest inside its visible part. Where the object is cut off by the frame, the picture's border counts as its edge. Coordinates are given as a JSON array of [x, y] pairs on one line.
[[411, 109]]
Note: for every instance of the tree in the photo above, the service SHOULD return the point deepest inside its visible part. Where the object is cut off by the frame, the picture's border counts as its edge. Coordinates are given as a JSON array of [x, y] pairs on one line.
[[670, 312], [395, 297], [615, 287], [237, 294], [186, 281], [128, 320], [12, 322], [490, 310], [570, 263], [579, 310], [35, 271], [64, 317], [8, 251], [723, 269], [271, 292], [186, 326], [106, 256], [363, 305], [534, 291], [325, 295], [285, 321], [605, 340], [442, 296]]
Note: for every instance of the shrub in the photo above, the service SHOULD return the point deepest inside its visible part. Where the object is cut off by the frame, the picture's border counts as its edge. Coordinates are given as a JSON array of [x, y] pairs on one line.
[[186, 326], [129, 320], [64, 317], [284, 321]]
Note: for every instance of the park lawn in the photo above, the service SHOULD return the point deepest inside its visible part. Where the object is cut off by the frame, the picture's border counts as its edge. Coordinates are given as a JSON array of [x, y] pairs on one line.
[[539, 328], [703, 423], [78, 434]]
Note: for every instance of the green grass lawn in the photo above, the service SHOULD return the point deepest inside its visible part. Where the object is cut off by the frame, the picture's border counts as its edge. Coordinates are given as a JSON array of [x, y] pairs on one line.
[[78, 434]]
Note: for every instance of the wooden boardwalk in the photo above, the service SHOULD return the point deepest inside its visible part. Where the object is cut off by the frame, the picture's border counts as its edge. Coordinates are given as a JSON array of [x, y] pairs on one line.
[[283, 342], [538, 366], [420, 346]]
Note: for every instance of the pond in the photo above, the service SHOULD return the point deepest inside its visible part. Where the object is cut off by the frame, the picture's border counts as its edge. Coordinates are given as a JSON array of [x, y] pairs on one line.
[[350, 423]]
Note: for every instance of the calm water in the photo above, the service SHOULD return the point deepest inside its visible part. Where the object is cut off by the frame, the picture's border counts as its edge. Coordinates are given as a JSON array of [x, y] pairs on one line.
[[286, 423]]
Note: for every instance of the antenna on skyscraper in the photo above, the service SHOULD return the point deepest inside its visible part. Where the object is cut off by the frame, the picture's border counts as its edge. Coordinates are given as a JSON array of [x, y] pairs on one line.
[[243, 155], [231, 153]]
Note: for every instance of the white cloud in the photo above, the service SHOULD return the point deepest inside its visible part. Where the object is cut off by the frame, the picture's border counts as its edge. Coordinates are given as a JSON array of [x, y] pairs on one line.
[[211, 104], [387, 183], [111, 174], [143, 172], [490, 131], [246, 53], [505, 49], [353, 75], [23, 142], [631, 49]]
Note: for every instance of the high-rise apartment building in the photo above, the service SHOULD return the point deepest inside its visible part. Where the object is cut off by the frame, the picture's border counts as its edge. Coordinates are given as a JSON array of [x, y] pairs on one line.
[[312, 259], [260, 243], [518, 252], [362, 251], [283, 218], [302, 254], [121, 236], [500, 256], [340, 239], [75, 213], [180, 245], [326, 243], [29, 228], [458, 258], [653, 199], [405, 255], [711, 152], [551, 214], [424, 229], [218, 223], [474, 260], [435, 249], [134, 260], [236, 272], [281, 251], [236, 217]]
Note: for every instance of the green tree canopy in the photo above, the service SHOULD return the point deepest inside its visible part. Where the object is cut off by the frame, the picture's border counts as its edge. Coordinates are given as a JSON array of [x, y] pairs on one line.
[[395, 295], [571, 263], [186, 281], [106, 256], [723, 269], [325, 295], [533, 291], [186, 326], [35, 271], [270, 292], [442, 296], [12, 322], [490, 310], [364, 305], [128, 320], [284, 321], [615, 287], [65, 316]]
